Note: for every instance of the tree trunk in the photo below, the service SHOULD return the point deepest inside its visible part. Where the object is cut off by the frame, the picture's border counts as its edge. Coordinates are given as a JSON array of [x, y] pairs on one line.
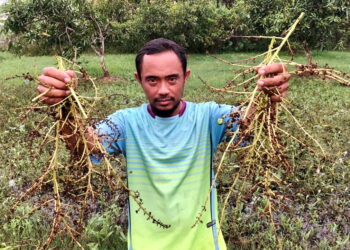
[[307, 53], [100, 52], [99, 48], [103, 66]]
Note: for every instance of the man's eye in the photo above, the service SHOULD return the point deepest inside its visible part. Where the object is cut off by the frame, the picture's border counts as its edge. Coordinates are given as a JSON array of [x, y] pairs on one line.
[[151, 80], [172, 78]]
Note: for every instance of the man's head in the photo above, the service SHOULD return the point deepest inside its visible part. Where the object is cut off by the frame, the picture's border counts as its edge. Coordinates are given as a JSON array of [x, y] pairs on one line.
[[160, 45], [162, 72]]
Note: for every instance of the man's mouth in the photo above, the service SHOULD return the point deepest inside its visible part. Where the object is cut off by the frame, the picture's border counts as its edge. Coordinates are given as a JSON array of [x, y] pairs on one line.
[[164, 101]]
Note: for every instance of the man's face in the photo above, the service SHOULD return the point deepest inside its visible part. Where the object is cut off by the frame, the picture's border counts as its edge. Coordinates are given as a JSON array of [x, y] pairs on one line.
[[163, 81]]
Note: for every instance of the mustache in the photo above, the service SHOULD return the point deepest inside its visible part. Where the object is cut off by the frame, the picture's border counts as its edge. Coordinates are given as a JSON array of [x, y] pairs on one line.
[[168, 98]]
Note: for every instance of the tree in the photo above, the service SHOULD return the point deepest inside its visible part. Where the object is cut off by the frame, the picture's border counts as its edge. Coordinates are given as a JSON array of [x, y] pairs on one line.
[[326, 24], [64, 27], [102, 16], [198, 25]]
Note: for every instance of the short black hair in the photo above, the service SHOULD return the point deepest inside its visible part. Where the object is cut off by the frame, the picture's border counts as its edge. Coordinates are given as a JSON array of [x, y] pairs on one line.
[[157, 46]]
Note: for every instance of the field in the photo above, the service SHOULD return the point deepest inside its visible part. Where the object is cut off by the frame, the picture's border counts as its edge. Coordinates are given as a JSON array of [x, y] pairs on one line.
[[315, 211]]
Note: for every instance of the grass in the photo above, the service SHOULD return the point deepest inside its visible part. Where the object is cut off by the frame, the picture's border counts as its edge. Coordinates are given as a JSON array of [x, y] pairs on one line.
[[315, 209]]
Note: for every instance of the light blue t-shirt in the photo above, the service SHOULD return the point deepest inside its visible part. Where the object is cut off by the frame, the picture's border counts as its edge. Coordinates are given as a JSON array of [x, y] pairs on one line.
[[169, 163]]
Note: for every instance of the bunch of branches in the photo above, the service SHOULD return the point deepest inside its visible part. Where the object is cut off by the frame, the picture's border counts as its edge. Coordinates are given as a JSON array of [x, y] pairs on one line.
[[75, 185], [325, 72], [259, 144]]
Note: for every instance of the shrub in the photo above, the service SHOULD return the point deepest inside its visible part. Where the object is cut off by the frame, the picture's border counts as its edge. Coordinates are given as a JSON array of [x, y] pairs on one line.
[[196, 25]]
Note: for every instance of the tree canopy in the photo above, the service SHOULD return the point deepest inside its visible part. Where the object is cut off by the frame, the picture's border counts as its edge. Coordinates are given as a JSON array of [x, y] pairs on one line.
[[68, 27], [64, 27]]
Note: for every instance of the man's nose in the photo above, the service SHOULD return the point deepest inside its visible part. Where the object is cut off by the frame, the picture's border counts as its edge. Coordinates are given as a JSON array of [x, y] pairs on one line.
[[163, 88]]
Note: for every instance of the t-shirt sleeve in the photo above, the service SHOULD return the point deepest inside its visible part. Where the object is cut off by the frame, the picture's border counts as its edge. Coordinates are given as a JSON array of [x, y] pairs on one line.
[[219, 120], [112, 134]]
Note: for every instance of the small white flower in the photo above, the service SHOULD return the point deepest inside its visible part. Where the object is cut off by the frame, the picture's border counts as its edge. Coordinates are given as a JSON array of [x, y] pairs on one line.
[[22, 128], [12, 183]]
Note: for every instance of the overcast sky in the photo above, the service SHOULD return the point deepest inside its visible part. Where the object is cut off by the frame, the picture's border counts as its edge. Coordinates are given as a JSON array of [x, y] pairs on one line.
[[2, 1]]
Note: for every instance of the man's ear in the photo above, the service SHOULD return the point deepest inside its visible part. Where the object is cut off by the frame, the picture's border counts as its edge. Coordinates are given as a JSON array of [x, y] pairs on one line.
[[137, 77], [187, 74]]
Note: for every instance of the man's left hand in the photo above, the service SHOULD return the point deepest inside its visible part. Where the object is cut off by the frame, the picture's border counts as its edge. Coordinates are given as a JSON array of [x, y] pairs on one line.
[[275, 80]]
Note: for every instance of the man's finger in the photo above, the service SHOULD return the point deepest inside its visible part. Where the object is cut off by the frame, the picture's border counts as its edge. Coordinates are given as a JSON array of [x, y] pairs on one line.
[[53, 92], [55, 73], [278, 98], [282, 89], [52, 82], [276, 91], [71, 73], [273, 68], [51, 101], [73, 77], [274, 81]]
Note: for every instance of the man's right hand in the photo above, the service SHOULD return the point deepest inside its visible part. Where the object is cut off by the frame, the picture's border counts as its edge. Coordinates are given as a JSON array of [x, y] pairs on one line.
[[53, 83]]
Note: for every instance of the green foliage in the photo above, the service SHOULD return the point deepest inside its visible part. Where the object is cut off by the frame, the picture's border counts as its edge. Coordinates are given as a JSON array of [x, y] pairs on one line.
[[64, 27], [103, 231], [326, 24], [196, 25], [67, 27], [47, 26], [19, 230]]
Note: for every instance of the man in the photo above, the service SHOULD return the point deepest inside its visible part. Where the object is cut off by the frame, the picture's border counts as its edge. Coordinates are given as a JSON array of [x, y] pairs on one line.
[[169, 146]]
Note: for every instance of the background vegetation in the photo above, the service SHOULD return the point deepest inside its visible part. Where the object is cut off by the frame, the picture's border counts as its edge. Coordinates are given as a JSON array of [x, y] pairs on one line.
[[69, 26]]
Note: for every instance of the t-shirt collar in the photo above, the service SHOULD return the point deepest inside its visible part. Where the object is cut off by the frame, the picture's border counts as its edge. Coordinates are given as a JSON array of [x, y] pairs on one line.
[[182, 111]]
